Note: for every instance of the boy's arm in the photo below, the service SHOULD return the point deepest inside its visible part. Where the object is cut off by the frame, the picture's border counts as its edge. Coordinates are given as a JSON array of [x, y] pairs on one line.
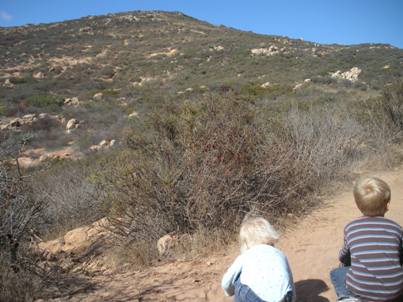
[[227, 282], [344, 255]]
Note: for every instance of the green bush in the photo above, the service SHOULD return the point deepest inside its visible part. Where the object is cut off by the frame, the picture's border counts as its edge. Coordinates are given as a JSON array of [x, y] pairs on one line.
[[44, 101]]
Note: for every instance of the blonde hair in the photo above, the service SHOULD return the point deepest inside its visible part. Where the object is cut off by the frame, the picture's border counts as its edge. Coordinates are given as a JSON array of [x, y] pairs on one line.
[[256, 230], [371, 196]]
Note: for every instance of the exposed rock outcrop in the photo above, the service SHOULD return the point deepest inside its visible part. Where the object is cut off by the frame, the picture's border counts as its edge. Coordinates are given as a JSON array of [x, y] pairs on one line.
[[98, 96], [265, 85], [8, 83], [103, 145], [72, 124], [17, 122], [217, 48], [133, 114], [350, 75], [74, 101], [270, 51], [76, 240], [38, 75]]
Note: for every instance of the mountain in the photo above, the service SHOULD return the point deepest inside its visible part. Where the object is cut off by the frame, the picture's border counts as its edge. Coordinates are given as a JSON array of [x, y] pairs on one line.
[[99, 70]]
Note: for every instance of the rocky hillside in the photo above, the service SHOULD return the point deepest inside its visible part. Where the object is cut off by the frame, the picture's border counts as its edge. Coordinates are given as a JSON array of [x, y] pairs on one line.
[[76, 85]]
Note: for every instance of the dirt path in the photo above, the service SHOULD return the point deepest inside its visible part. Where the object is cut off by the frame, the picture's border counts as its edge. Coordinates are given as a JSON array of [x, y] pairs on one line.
[[311, 246]]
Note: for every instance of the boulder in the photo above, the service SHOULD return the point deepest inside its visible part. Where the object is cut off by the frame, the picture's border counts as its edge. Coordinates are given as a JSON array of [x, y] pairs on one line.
[[15, 123], [298, 86], [98, 96], [270, 51], [103, 143], [133, 114], [350, 75], [43, 115], [265, 85], [165, 243], [217, 48], [38, 75], [72, 101], [72, 124], [94, 148], [8, 84]]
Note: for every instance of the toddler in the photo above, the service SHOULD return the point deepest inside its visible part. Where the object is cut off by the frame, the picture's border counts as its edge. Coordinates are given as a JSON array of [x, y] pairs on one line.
[[261, 273]]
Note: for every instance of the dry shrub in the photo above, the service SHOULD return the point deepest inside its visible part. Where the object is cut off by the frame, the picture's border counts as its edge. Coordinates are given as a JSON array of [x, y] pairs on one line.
[[328, 139], [25, 275], [382, 120], [72, 200], [18, 213], [203, 166], [140, 253]]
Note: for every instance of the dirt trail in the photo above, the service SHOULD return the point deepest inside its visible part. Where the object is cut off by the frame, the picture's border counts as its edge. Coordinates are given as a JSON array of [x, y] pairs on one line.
[[311, 246]]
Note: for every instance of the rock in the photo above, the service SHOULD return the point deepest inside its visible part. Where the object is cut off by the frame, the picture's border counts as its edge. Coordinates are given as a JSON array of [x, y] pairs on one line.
[[298, 86], [350, 75], [76, 238], [38, 75], [170, 52], [217, 48], [29, 116], [72, 124], [98, 96], [142, 81], [72, 101], [307, 80], [133, 114], [265, 85], [94, 148], [43, 115], [165, 243], [8, 84], [103, 143], [27, 162], [15, 123], [189, 89], [272, 50]]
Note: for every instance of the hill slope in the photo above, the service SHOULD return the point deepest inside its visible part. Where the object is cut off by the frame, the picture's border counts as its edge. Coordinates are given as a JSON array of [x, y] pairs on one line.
[[134, 61]]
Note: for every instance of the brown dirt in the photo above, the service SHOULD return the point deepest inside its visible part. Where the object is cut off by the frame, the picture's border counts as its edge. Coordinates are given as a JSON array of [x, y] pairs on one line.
[[311, 246]]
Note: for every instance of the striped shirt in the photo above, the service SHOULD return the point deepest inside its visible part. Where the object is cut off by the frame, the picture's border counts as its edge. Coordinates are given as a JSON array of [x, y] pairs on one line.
[[373, 248]]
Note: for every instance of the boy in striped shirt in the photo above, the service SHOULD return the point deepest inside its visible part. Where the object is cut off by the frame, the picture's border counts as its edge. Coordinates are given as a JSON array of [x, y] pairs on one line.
[[372, 254]]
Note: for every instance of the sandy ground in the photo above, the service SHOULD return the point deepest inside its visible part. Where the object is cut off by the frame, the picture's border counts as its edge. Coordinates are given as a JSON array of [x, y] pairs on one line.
[[311, 246]]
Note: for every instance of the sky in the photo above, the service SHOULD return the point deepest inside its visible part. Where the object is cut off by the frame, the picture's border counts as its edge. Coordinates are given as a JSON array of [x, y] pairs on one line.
[[322, 21]]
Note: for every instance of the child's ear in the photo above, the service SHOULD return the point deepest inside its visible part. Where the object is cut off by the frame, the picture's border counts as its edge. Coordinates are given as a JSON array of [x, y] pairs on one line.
[[387, 206]]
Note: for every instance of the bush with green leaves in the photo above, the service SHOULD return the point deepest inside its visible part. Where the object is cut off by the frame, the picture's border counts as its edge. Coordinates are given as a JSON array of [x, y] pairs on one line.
[[44, 101]]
